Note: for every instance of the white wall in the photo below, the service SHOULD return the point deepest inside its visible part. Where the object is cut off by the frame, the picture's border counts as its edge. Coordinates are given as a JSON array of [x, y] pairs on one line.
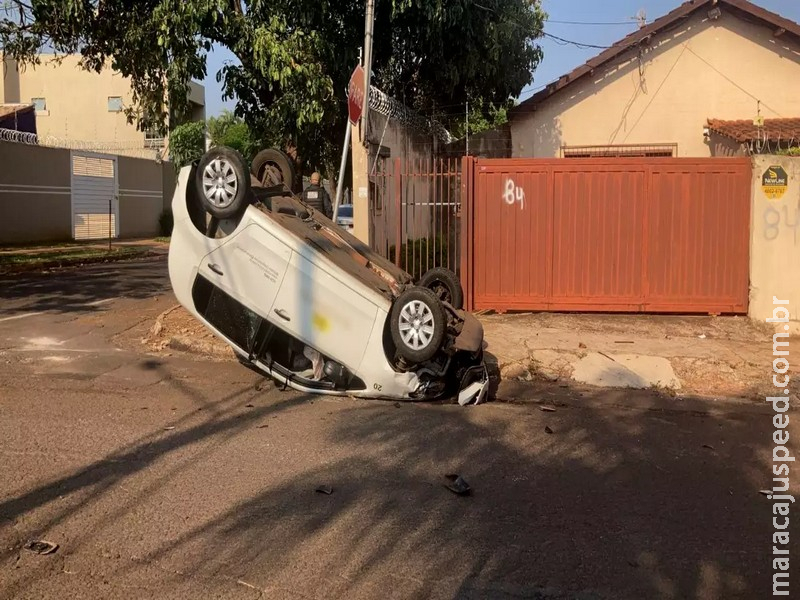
[[775, 244]]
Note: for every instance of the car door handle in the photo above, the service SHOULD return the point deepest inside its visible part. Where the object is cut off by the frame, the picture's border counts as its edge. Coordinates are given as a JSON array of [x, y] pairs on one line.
[[216, 269], [282, 314]]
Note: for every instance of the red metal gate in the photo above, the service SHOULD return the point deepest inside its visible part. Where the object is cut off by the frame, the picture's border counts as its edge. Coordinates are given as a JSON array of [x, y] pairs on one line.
[[628, 235]]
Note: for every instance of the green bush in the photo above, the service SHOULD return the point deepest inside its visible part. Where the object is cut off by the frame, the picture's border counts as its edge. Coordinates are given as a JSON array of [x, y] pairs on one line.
[[417, 256], [165, 223], [187, 143], [793, 151]]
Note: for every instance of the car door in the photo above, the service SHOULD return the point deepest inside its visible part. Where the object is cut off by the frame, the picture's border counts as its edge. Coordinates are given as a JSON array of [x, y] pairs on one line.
[[250, 267], [324, 312]]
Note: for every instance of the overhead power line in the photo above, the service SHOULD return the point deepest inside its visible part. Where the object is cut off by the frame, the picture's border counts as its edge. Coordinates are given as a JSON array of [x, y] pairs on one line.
[[631, 22], [558, 39]]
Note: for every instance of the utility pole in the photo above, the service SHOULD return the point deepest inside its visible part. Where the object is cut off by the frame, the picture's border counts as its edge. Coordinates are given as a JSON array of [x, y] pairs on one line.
[[368, 31]]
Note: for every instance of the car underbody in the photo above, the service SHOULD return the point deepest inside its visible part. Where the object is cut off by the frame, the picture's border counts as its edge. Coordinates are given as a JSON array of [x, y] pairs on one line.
[[306, 303]]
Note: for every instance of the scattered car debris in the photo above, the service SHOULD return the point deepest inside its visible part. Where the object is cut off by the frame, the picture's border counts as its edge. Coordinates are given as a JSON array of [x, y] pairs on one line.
[[325, 489], [458, 485], [262, 426], [765, 492], [548, 430], [709, 446], [249, 406], [41, 547], [702, 336], [581, 345], [624, 342], [168, 428], [547, 409]]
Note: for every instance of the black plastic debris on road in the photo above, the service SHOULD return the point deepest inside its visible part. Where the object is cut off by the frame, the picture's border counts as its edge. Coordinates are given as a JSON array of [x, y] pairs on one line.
[[325, 489], [548, 430], [41, 547], [458, 485]]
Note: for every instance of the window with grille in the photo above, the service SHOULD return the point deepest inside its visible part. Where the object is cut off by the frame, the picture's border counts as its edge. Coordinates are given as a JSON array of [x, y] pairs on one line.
[[621, 151]]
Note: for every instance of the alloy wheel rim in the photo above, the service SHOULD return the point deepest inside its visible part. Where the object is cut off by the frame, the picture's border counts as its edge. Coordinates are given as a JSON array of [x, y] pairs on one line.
[[416, 325], [220, 183]]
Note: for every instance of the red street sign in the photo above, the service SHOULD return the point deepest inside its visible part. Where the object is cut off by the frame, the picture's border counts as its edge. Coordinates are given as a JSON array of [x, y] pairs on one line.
[[355, 95]]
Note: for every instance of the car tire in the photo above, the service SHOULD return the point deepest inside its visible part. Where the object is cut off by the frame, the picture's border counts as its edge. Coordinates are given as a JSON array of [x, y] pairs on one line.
[[445, 284], [223, 184], [274, 167], [418, 325]]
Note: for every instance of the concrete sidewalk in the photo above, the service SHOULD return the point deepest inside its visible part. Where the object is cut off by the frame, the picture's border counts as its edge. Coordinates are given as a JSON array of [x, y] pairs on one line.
[[708, 356], [705, 356]]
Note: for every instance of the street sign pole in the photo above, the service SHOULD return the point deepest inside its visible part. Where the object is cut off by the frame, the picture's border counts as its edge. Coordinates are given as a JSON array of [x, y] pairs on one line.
[[355, 106], [340, 184]]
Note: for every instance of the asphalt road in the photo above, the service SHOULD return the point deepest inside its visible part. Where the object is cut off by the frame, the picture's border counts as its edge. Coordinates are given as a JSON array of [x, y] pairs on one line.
[[172, 477]]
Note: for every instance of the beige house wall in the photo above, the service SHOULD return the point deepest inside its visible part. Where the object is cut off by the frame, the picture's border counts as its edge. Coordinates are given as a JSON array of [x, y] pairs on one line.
[[702, 69], [77, 100], [775, 245]]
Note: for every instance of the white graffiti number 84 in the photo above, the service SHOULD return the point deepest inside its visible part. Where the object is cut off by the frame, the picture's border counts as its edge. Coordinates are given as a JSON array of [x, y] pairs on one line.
[[514, 193]]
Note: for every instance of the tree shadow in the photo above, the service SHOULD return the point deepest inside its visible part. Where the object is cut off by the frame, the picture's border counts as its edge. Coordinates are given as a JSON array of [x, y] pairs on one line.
[[75, 290], [610, 503]]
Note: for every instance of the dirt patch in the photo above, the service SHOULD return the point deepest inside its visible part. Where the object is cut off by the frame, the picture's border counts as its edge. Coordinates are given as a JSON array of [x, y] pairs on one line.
[[175, 329]]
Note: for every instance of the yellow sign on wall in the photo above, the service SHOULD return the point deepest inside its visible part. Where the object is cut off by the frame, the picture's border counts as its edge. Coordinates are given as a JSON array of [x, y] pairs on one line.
[[775, 182]]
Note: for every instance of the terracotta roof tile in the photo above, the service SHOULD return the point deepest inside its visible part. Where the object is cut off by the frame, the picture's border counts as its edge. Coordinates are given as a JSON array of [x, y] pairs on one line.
[[745, 130]]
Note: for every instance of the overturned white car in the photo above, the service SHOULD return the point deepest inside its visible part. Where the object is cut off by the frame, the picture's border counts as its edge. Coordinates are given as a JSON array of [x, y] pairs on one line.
[[305, 302]]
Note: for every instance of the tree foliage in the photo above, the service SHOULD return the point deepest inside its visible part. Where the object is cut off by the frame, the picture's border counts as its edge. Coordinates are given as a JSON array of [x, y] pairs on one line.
[[230, 130], [187, 142], [295, 56]]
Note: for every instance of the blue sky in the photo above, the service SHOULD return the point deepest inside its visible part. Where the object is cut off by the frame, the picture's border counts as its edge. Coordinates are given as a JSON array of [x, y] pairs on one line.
[[558, 59]]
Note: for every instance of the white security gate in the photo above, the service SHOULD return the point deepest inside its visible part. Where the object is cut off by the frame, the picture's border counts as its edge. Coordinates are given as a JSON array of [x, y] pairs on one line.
[[95, 200]]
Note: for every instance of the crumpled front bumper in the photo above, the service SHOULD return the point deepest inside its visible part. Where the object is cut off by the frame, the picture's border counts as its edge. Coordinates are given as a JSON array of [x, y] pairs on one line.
[[474, 386]]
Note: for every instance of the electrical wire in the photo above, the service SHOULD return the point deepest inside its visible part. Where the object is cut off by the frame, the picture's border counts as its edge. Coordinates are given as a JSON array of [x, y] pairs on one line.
[[558, 39], [732, 82]]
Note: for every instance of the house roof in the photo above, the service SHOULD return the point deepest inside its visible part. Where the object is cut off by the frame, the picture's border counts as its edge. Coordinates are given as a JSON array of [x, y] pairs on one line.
[[744, 131], [743, 8]]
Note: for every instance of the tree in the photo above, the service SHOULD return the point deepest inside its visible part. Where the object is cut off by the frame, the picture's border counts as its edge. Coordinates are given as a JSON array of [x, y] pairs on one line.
[[295, 56], [230, 130], [187, 143], [482, 117]]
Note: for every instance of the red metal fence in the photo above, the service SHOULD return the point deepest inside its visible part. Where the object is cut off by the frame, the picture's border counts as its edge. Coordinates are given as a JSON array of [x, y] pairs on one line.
[[415, 213], [621, 234]]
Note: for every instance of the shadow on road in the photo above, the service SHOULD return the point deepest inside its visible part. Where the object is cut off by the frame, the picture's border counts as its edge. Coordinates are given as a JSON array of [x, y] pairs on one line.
[[77, 288], [606, 502]]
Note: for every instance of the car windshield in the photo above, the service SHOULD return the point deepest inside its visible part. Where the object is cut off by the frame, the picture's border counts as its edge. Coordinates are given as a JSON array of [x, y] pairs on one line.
[[346, 211]]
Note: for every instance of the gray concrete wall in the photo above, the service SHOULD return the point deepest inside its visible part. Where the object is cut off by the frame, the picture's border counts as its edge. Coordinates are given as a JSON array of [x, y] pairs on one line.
[[775, 244], [141, 199], [35, 201]]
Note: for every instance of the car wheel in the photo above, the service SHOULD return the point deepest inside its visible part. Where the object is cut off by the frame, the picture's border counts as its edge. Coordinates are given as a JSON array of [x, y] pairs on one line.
[[223, 184], [418, 325], [445, 284], [274, 167]]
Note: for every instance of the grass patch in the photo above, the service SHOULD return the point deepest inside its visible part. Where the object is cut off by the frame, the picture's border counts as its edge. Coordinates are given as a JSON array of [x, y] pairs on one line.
[[163, 240], [21, 261]]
